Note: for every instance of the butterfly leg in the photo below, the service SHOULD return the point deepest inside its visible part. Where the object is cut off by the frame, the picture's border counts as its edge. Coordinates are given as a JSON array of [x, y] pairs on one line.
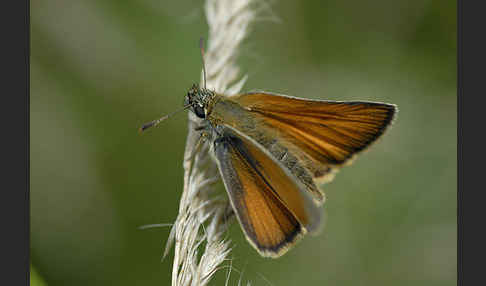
[[200, 127], [228, 212], [202, 137]]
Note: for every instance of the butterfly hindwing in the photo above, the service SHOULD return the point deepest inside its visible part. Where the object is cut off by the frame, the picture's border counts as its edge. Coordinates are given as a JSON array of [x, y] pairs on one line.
[[273, 209]]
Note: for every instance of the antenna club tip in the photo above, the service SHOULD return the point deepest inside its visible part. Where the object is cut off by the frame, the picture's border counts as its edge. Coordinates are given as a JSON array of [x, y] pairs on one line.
[[145, 126]]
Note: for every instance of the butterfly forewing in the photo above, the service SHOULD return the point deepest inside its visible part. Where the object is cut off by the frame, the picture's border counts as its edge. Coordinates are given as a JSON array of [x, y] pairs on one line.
[[311, 138], [272, 208], [329, 132]]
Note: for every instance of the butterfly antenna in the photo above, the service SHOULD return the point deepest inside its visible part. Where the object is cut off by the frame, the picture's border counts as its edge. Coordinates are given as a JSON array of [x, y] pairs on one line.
[[201, 46], [157, 121]]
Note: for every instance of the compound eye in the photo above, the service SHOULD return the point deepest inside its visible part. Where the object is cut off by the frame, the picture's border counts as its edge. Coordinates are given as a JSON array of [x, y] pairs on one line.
[[199, 110]]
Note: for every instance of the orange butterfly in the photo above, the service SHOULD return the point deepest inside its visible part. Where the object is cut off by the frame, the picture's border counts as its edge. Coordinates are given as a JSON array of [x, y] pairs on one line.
[[273, 151]]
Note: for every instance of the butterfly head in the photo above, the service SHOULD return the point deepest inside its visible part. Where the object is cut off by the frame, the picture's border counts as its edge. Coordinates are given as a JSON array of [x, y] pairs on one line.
[[199, 100]]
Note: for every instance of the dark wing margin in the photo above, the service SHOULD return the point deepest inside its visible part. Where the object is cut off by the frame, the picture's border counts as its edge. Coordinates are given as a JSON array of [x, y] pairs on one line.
[[272, 208]]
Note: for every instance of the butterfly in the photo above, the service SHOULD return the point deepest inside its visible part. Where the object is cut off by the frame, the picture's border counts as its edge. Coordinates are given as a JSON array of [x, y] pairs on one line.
[[275, 151]]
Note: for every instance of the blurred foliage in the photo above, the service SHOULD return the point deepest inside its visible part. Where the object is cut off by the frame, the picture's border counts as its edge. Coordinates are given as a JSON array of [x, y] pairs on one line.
[[35, 279], [101, 68]]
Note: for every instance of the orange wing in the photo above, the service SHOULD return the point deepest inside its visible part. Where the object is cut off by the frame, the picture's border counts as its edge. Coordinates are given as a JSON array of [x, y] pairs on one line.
[[274, 211], [328, 133]]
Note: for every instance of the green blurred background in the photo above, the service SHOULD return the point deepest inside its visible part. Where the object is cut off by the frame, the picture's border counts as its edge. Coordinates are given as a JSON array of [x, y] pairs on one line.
[[101, 68]]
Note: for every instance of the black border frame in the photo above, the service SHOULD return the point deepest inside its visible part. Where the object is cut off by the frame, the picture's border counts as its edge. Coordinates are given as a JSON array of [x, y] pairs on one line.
[[471, 63], [15, 210]]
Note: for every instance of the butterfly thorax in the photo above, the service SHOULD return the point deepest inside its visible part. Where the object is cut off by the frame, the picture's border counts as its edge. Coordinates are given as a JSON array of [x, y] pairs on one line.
[[201, 100]]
